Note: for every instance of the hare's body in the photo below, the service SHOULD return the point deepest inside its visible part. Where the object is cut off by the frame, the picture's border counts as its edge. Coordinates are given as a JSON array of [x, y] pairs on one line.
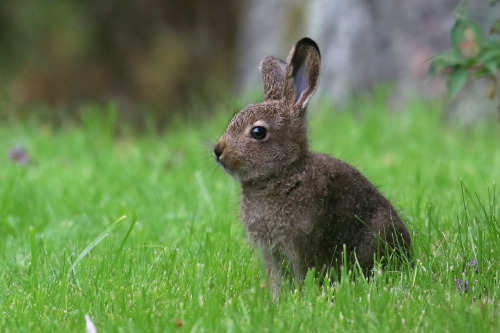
[[301, 207], [309, 216]]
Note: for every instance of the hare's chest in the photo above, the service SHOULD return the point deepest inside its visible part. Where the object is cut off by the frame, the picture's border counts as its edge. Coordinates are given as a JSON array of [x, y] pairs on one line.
[[280, 222]]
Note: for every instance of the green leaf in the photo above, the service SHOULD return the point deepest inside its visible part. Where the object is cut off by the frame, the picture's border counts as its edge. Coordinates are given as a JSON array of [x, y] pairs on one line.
[[433, 69], [495, 28], [489, 55], [457, 33], [492, 67], [456, 81], [492, 43], [477, 30], [449, 57]]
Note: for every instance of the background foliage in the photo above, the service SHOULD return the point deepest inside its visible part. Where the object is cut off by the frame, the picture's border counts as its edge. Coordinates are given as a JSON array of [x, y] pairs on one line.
[[165, 58], [474, 54], [147, 55]]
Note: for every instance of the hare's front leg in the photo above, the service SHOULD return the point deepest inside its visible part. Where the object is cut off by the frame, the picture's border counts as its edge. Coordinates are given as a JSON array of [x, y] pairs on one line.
[[273, 271]]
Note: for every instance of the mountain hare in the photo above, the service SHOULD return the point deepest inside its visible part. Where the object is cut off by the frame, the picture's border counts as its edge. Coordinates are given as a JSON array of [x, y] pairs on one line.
[[302, 208]]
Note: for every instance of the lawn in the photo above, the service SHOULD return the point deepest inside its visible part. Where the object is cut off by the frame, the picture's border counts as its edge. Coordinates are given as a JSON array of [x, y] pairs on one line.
[[141, 231]]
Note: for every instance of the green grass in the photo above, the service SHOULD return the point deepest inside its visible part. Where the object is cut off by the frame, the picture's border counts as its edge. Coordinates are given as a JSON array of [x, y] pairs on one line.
[[181, 257]]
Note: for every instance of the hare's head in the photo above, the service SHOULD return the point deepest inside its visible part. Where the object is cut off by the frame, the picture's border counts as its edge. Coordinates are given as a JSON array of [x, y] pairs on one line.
[[266, 139]]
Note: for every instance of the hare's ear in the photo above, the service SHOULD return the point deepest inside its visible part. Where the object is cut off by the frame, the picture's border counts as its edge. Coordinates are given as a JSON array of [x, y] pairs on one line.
[[302, 73], [273, 75]]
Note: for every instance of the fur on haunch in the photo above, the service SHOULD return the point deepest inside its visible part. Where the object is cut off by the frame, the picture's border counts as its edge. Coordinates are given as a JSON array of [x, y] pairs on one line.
[[300, 207]]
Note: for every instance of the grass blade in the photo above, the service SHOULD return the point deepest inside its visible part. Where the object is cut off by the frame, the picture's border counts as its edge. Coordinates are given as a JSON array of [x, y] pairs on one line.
[[134, 219], [205, 195], [34, 259], [97, 240]]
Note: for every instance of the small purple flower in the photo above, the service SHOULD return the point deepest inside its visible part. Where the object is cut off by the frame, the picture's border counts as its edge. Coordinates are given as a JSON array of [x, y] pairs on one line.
[[464, 285], [474, 265], [459, 283], [19, 155]]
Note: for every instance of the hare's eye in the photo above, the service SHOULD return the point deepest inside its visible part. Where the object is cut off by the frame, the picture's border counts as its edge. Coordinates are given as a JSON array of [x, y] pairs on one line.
[[258, 132]]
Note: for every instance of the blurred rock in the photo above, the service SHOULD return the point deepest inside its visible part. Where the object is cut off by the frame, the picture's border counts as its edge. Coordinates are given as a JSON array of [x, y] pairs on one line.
[[363, 42]]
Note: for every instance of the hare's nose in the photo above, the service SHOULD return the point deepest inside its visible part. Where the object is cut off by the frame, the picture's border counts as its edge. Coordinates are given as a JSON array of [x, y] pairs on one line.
[[218, 150]]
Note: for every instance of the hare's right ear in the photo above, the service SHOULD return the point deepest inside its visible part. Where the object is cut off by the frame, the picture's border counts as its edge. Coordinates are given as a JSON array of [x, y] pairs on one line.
[[273, 72], [302, 73]]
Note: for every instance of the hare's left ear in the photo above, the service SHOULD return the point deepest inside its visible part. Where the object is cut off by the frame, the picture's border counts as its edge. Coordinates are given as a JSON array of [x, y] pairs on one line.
[[273, 72], [302, 73]]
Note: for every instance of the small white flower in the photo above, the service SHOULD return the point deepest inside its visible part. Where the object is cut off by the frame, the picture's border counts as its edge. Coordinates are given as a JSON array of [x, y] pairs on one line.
[[90, 325]]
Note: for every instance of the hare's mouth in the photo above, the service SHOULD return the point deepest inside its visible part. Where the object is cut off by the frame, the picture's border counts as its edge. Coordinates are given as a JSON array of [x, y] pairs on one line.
[[227, 170], [222, 164], [219, 162], [231, 173]]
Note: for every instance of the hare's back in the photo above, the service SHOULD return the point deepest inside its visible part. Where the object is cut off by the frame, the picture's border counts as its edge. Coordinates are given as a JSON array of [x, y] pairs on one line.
[[350, 198], [355, 208]]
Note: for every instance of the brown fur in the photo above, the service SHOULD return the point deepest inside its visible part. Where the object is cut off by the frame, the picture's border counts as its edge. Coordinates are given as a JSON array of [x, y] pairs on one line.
[[298, 206]]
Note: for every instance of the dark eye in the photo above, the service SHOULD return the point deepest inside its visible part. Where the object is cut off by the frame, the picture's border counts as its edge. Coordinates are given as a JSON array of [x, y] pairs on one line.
[[258, 132]]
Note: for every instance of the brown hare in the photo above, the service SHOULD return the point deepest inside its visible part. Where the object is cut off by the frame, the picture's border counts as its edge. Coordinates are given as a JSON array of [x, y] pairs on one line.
[[302, 208]]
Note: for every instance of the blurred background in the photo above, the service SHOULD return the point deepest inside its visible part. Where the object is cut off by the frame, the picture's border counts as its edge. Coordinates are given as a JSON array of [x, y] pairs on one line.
[[166, 58]]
